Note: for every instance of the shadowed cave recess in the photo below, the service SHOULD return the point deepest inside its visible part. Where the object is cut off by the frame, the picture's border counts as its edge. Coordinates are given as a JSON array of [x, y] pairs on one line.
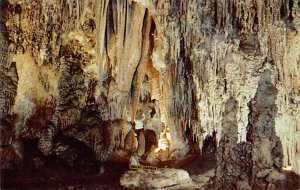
[[206, 92]]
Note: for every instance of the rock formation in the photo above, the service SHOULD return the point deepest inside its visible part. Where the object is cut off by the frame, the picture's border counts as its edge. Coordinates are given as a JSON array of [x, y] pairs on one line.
[[97, 73], [230, 172], [257, 163], [163, 178]]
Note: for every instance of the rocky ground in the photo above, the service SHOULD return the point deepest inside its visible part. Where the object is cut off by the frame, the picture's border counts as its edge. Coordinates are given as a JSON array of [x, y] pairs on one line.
[[198, 172]]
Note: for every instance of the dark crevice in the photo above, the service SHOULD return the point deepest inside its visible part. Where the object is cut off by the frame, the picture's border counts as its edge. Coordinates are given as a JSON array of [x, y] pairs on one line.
[[216, 12], [209, 144], [126, 24], [144, 24], [282, 11], [290, 16]]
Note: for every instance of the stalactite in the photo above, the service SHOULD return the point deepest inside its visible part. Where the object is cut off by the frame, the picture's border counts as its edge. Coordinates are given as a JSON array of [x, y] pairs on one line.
[[83, 11], [141, 68], [101, 12], [78, 13], [70, 3]]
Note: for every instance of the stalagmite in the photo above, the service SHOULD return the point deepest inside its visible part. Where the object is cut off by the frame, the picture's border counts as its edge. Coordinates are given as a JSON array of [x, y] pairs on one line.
[[267, 148], [228, 169], [141, 144], [131, 141]]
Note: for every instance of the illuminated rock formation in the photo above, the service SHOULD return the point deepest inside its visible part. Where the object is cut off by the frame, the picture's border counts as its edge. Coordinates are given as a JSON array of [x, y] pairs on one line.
[[98, 72]]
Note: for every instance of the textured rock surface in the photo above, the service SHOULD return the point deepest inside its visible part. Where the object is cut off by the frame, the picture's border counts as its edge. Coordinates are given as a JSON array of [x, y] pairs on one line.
[[95, 72], [157, 179], [257, 163], [165, 179], [233, 167]]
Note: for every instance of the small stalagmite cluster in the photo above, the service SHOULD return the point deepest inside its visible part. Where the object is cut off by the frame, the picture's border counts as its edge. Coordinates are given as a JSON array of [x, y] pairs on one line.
[[88, 82]]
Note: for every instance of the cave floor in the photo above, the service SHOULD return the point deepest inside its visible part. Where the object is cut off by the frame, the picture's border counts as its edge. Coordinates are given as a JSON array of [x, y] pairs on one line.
[[200, 169]]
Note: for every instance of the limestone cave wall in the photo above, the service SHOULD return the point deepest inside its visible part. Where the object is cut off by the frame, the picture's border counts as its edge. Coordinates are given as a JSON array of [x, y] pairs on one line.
[[95, 70]]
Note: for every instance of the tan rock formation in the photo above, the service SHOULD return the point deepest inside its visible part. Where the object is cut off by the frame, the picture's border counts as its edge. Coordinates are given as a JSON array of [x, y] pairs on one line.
[[89, 69]]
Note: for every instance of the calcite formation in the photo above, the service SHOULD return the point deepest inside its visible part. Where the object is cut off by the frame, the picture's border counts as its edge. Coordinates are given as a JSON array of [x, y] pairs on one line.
[[256, 163], [165, 178], [152, 77]]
